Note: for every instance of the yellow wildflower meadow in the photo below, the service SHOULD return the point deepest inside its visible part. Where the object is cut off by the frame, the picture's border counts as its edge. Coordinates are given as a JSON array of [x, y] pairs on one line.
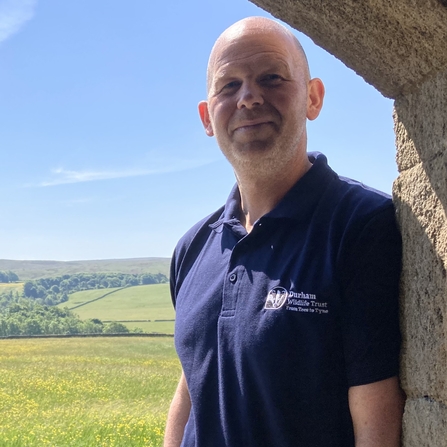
[[90, 392]]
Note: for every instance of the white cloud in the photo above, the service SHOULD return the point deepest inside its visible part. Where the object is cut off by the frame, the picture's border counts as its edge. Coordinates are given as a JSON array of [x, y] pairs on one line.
[[13, 15], [63, 176]]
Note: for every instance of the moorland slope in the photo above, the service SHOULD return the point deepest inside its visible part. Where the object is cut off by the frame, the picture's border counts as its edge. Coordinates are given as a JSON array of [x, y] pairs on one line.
[[27, 270]]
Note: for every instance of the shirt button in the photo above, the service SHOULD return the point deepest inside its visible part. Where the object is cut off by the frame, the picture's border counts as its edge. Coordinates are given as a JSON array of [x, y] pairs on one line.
[[233, 277]]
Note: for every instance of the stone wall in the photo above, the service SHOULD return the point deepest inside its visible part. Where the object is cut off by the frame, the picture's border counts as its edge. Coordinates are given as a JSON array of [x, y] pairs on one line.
[[420, 194], [400, 47]]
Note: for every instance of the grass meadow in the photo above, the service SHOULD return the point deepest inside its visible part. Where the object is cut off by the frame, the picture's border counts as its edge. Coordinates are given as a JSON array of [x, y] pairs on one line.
[[78, 298], [86, 392], [13, 286], [148, 302]]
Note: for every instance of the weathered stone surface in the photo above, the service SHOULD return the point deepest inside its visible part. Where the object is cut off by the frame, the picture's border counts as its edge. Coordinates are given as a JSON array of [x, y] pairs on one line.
[[420, 194], [420, 123], [425, 424], [394, 45], [422, 217]]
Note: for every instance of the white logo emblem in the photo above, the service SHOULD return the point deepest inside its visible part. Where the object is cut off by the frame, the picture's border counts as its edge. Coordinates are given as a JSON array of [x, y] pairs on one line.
[[276, 298]]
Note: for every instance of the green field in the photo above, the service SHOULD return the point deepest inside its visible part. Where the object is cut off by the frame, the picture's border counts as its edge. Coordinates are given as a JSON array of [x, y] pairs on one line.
[[14, 286], [92, 392], [77, 298], [149, 302]]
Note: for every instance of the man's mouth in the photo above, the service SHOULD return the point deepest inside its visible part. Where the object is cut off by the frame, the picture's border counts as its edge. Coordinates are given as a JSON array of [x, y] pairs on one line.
[[251, 124]]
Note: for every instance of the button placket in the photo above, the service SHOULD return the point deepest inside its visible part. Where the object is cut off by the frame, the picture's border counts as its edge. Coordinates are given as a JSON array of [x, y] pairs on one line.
[[232, 281], [230, 291]]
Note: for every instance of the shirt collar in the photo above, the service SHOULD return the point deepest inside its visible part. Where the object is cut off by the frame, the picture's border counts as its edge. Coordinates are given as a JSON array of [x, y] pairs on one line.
[[303, 197], [298, 203]]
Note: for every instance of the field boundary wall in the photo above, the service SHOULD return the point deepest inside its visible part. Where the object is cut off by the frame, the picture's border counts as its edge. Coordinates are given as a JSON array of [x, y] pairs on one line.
[[153, 334]]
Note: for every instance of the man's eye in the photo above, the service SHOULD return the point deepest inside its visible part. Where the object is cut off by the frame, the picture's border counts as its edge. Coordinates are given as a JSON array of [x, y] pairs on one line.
[[271, 78], [231, 85]]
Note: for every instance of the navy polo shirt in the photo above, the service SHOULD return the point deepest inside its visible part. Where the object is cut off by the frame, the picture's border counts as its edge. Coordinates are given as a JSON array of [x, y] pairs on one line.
[[274, 326]]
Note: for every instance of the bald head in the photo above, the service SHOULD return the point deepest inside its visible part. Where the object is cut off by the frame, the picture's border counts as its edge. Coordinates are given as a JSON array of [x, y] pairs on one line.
[[252, 26]]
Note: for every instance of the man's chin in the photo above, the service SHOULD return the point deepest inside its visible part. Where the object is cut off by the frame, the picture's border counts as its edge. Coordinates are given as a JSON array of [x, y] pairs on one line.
[[254, 147], [255, 153]]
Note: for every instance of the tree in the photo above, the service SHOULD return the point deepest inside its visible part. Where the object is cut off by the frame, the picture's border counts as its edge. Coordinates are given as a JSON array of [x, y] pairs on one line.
[[8, 276], [41, 292], [114, 282], [3, 327], [147, 278], [132, 281], [50, 300], [91, 327], [54, 328], [32, 327], [54, 289], [14, 327], [12, 276], [73, 281], [66, 285], [114, 327], [29, 289]]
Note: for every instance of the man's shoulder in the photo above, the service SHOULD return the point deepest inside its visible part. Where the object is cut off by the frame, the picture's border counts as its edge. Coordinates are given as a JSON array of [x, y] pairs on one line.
[[189, 247], [363, 190], [200, 230], [353, 196], [341, 194], [357, 213]]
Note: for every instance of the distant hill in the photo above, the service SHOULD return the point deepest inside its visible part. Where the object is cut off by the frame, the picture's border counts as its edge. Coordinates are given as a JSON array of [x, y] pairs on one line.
[[27, 270]]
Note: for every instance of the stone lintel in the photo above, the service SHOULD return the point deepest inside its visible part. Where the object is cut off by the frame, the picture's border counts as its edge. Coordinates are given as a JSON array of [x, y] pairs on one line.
[[394, 45]]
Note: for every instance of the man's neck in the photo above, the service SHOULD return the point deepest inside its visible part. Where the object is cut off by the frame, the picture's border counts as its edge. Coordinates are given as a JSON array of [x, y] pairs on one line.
[[259, 195]]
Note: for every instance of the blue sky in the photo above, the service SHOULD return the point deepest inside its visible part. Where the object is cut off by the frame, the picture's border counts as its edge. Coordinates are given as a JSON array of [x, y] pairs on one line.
[[102, 151]]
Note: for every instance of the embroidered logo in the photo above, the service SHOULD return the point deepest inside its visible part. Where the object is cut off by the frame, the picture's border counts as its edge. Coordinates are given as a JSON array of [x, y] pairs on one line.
[[276, 298], [295, 301]]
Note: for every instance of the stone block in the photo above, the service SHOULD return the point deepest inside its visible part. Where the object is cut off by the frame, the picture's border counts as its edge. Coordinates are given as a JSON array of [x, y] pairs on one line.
[[425, 423], [420, 194], [420, 123]]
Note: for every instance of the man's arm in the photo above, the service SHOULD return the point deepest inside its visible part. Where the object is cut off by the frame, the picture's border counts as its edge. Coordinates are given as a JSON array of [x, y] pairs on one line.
[[178, 415], [376, 411]]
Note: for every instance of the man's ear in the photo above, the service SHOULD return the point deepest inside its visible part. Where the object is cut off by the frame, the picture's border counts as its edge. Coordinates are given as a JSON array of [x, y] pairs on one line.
[[315, 98], [205, 117]]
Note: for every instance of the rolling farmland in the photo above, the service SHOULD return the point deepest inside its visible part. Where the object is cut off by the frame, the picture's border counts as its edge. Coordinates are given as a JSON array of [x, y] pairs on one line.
[[27, 270], [94, 391], [133, 306]]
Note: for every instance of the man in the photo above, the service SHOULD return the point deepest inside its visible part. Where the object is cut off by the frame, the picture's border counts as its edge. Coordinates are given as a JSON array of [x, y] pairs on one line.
[[286, 298]]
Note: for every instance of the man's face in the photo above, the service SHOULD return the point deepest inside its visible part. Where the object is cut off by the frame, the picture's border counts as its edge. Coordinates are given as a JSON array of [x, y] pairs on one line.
[[258, 99]]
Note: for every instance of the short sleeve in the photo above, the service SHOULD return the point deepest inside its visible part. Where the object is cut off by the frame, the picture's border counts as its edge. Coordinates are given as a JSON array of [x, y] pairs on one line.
[[370, 295]]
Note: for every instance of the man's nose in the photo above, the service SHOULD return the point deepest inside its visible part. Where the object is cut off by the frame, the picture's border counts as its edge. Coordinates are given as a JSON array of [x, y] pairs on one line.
[[250, 95]]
